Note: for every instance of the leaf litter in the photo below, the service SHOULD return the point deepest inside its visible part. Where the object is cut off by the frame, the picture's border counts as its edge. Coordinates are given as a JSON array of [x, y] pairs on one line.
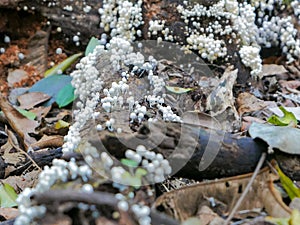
[[213, 198]]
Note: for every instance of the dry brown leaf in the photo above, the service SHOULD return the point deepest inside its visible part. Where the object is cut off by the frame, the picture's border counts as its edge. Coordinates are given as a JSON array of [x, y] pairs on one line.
[[207, 215], [289, 86], [21, 182], [31, 99], [220, 102], [60, 116], [272, 69], [249, 103], [49, 141], [10, 154], [248, 120], [20, 124], [41, 112], [222, 97], [9, 213], [184, 202]]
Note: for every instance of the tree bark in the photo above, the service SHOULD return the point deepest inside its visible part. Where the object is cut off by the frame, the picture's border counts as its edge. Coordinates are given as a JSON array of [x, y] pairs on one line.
[[185, 145]]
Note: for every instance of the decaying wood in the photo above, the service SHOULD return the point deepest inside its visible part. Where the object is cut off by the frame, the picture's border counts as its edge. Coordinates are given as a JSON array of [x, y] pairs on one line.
[[188, 144], [42, 158]]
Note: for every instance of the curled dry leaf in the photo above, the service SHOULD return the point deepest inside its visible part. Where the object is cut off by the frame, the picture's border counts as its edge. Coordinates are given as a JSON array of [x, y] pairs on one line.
[[289, 86], [41, 112], [222, 97], [183, 203], [248, 120], [249, 103], [220, 102], [49, 141], [23, 181], [19, 123]]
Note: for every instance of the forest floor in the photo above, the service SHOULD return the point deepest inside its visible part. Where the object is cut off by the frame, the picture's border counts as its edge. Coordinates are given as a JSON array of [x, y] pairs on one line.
[[32, 134]]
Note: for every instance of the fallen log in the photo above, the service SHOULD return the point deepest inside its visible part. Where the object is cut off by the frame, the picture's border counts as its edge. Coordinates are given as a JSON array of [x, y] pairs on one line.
[[184, 145]]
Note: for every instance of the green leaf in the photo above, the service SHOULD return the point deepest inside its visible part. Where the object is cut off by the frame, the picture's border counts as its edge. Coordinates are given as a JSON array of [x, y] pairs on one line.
[[91, 45], [178, 90], [287, 119], [63, 65], [288, 184], [28, 114], [129, 162], [8, 196], [51, 86], [65, 96]]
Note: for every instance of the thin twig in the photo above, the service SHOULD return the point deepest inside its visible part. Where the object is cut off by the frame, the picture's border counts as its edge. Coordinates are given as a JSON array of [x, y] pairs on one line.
[[94, 198], [61, 196], [239, 202]]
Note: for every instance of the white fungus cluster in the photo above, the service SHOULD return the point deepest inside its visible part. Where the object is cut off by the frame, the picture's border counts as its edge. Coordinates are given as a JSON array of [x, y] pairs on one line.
[[154, 100], [244, 25], [204, 39], [119, 49], [156, 165], [141, 211], [248, 28], [68, 8], [157, 82], [207, 46], [59, 171], [138, 113], [88, 85], [250, 57], [296, 7], [168, 114], [122, 18], [155, 26], [278, 31], [87, 8], [114, 95]]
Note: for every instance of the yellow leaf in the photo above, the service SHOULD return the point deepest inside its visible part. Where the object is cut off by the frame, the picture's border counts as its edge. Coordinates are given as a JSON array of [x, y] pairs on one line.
[[61, 124]]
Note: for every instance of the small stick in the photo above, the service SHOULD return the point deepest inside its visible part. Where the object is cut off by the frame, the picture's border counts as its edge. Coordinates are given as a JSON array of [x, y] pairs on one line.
[[94, 198]]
